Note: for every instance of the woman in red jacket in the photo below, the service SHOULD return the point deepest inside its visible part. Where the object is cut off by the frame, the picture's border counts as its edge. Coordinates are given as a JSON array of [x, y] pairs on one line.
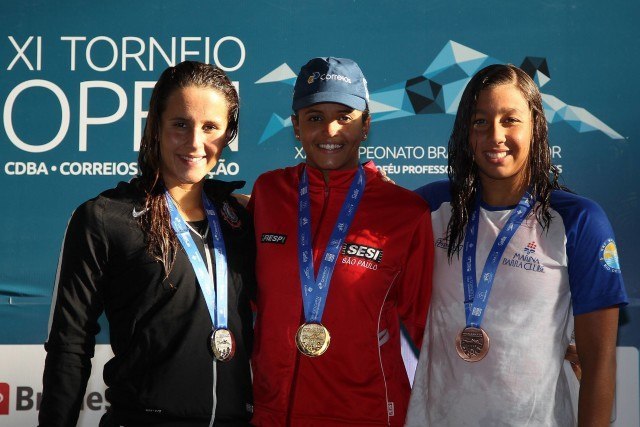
[[342, 258]]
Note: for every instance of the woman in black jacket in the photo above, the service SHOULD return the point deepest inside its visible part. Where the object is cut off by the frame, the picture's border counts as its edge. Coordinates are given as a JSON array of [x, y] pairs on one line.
[[169, 259]]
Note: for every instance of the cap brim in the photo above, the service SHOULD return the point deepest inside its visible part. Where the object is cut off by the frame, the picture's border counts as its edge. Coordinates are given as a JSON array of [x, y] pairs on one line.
[[350, 101]]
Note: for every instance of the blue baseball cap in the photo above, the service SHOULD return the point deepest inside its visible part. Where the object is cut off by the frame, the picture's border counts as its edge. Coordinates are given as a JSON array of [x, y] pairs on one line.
[[331, 79]]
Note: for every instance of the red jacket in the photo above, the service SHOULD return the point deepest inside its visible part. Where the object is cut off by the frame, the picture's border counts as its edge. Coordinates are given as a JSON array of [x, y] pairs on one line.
[[383, 275]]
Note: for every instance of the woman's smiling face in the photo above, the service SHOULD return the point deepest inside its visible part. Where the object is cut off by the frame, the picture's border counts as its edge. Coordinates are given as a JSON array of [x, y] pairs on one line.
[[500, 135], [193, 133], [331, 134]]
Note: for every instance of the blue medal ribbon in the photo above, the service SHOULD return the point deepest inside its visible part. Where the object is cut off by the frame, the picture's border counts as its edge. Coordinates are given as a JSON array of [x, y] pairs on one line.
[[476, 295], [315, 290], [217, 307]]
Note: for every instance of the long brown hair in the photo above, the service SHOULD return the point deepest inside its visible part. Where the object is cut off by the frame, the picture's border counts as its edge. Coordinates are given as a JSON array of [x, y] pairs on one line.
[[463, 172], [160, 239]]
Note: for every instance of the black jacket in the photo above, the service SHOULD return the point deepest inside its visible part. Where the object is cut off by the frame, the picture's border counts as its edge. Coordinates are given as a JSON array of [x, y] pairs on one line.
[[163, 369]]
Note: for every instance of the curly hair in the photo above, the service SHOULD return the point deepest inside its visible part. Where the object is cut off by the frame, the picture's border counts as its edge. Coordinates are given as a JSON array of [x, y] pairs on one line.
[[463, 171], [160, 239]]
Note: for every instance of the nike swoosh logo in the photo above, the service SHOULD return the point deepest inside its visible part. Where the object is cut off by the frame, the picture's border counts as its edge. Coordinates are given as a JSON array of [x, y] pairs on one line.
[[136, 213]]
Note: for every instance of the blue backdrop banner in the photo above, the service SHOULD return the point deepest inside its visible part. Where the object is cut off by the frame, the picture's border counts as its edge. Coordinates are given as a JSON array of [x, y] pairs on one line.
[[76, 77]]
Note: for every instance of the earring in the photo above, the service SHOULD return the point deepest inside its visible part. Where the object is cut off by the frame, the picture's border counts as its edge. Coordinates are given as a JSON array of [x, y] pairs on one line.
[[297, 136], [364, 136]]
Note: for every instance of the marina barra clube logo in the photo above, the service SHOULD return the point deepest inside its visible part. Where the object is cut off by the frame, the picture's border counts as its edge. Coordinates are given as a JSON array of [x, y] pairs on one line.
[[609, 256], [525, 260]]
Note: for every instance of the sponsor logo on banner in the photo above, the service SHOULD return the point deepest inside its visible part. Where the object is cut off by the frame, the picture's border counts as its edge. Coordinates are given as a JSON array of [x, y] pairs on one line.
[[21, 386], [78, 128], [4, 399]]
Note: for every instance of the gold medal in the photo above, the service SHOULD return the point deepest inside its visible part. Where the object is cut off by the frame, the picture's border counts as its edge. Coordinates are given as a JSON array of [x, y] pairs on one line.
[[472, 344], [312, 339], [223, 344]]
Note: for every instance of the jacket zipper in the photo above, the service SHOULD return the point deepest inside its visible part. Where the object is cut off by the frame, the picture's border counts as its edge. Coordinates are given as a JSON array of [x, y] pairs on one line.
[[292, 391]]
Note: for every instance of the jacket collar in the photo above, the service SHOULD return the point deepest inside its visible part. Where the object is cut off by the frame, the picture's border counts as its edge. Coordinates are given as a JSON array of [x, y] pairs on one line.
[[337, 179], [220, 190]]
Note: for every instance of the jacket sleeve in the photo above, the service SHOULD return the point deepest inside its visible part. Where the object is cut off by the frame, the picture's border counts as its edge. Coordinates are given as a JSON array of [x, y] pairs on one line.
[[415, 281], [251, 204], [76, 307], [249, 277]]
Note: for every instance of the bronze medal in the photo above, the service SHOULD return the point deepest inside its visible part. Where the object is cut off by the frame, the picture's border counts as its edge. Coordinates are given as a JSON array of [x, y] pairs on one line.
[[223, 344], [472, 344], [312, 339]]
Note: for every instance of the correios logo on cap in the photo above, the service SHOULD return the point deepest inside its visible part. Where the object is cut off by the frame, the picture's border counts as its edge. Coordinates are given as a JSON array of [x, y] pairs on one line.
[[317, 76]]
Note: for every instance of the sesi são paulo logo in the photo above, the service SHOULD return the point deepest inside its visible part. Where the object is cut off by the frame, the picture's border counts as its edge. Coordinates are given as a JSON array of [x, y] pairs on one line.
[[361, 255]]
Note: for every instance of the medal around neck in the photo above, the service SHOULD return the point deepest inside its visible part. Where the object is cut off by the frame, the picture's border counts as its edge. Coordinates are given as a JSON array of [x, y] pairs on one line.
[[312, 339], [223, 344], [222, 341], [472, 344]]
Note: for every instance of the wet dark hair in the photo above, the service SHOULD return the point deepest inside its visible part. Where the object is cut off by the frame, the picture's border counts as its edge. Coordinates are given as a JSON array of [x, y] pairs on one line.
[[161, 240], [463, 172]]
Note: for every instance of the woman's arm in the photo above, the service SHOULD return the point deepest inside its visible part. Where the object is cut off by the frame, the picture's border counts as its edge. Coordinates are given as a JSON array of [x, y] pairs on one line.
[[596, 334], [76, 306]]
